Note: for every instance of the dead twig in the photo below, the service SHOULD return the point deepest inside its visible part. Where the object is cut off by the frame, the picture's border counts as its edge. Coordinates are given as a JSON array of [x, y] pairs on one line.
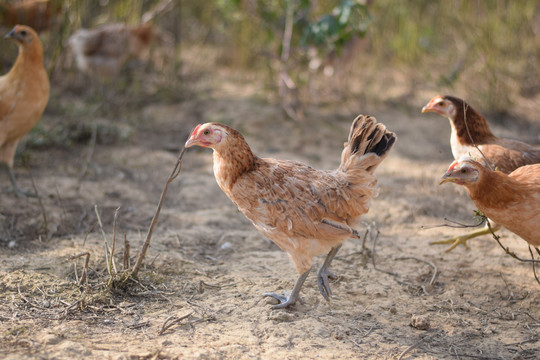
[[413, 346], [89, 155], [435, 271], [175, 172], [41, 206], [492, 168], [84, 277], [507, 249], [373, 256], [111, 263], [171, 321], [126, 253], [105, 242], [457, 225]]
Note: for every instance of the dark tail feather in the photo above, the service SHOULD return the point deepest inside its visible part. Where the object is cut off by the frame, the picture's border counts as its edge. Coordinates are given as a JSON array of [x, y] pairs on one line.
[[367, 136]]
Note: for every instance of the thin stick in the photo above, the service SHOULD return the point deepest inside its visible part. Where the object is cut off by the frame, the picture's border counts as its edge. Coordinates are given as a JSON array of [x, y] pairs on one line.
[[533, 265], [84, 277], [92, 147], [175, 172], [455, 224], [506, 249], [373, 257], [42, 208], [111, 259], [465, 107], [425, 262], [105, 243], [126, 252], [171, 321], [407, 350]]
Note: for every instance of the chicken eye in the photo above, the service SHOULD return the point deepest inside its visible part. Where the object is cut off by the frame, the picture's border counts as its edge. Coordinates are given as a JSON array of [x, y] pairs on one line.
[[24, 32], [441, 103], [463, 171], [206, 132]]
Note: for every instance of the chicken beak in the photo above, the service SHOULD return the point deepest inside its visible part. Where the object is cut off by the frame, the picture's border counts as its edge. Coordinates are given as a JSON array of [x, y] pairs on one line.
[[447, 177], [426, 109], [10, 34], [190, 142]]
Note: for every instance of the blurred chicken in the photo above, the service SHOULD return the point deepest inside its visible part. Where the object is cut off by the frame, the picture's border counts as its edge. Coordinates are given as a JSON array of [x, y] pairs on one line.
[[512, 201], [104, 51], [24, 93], [38, 14], [305, 211], [469, 128]]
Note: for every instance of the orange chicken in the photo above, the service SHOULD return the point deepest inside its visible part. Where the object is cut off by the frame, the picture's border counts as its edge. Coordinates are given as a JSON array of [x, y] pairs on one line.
[[38, 14], [470, 128], [512, 200], [305, 211], [24, 93]]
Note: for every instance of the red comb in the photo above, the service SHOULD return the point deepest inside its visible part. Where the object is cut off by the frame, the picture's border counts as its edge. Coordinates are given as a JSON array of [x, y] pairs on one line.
[[453, 165], [195, 131]]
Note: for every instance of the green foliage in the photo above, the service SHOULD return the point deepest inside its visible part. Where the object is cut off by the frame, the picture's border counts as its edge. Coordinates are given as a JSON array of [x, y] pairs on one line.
[[332, 31]]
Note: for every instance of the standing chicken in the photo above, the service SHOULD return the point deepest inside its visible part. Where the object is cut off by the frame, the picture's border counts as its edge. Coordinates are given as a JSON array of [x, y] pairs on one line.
[[469, 128], [104, 50], [513, 200], [305, 211], [24, 93]]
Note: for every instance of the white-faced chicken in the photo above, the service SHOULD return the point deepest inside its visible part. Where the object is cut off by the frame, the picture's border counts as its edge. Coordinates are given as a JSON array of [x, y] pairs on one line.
[[24, 94], [471, 130], [305, 211], [512, 200]]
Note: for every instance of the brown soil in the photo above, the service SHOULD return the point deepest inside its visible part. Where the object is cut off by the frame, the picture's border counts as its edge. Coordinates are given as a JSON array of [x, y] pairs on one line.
[[199, 293]]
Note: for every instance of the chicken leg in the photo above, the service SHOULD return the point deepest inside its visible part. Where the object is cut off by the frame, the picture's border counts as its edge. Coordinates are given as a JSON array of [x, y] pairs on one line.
[[462, 240], [287, 300], [15, 188], [324, 273]]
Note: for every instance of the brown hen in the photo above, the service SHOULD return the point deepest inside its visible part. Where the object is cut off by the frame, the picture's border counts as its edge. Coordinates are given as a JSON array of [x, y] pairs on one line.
[[470, 128], [512, 200], [24, 93], [305, 211]]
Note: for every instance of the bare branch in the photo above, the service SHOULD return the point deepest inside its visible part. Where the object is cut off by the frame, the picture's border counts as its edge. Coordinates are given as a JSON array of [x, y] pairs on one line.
[[175, 172]]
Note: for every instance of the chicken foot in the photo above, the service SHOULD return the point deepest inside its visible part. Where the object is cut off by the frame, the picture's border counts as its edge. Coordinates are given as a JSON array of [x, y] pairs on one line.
[[324, 273], [287, 300], [15, 188], [462, 240]]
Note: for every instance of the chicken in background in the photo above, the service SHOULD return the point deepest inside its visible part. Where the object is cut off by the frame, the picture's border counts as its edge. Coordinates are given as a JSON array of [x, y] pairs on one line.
[[512, 200], [38, 14], [305, 211], [103, 51], [470, 128], [24, 94]]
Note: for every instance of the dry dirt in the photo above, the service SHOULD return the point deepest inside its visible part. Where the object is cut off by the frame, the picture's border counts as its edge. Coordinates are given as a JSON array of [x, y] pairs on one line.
[[199, 293]]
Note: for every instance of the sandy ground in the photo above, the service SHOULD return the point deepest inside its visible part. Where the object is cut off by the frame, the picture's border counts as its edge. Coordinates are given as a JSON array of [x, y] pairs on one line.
[[199, 293]]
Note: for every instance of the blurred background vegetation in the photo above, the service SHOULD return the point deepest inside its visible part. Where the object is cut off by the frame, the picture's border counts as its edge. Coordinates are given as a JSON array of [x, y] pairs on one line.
[[311, 51]]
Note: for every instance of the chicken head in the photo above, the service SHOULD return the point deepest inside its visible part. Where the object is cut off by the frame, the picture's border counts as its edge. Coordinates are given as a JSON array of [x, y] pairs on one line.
[[207, 135], [442, 106], [463, 171]]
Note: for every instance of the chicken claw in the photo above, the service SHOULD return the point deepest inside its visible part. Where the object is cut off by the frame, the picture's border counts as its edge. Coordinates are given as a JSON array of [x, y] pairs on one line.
[[287, 300], [324, 273], [462, 240]]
